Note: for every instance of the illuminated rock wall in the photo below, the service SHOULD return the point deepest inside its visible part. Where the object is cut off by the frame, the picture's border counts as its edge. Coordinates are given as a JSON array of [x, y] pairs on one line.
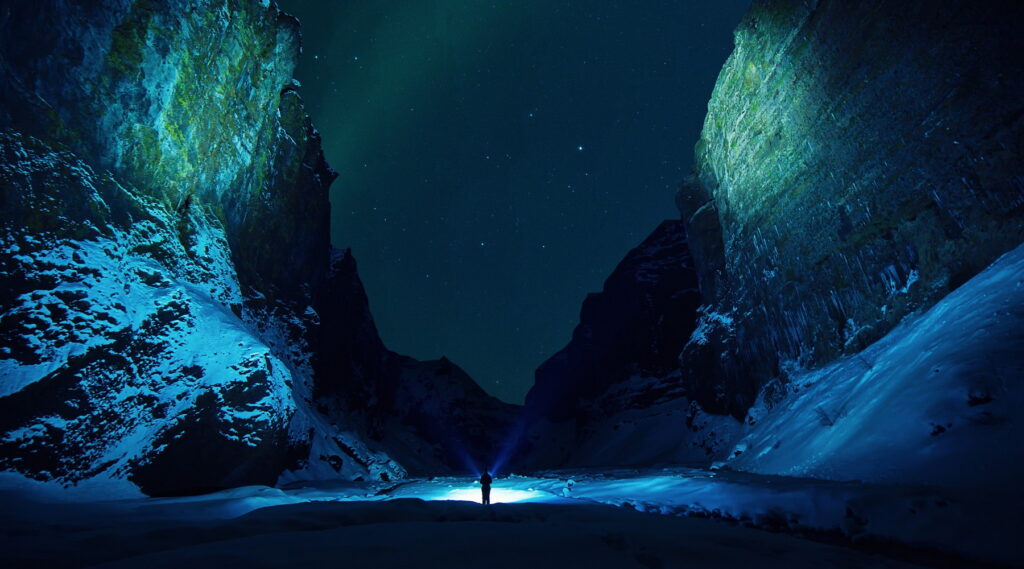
[[858, 162], [188, 102]]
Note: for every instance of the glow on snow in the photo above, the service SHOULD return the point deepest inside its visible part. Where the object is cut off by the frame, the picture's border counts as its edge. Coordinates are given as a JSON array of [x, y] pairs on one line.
[[498, 495]]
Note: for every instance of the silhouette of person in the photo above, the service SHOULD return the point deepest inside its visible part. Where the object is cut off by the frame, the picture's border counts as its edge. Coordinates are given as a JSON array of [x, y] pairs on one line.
[[485, 487]]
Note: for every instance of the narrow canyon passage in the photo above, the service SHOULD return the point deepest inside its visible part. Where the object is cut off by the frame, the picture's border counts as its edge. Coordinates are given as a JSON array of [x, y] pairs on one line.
[[676, 283]]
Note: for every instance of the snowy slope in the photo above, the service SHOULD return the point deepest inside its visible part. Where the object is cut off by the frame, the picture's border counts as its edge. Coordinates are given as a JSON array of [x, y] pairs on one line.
[[937, 401], [129, 356], [121, 333]]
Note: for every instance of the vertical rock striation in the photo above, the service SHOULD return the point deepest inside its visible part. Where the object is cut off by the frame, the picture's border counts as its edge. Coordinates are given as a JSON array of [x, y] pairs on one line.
[[189, 103], [858, 162]]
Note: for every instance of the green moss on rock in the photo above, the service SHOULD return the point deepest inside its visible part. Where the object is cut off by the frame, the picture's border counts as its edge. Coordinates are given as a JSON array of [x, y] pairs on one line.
[[851, 149], [182, 99]]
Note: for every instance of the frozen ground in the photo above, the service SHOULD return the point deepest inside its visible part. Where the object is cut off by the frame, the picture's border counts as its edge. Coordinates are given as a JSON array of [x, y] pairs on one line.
[[604, 520]]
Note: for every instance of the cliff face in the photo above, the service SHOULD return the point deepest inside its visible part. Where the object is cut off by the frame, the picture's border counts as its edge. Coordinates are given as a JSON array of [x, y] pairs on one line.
[[112, 306], [168, 293], [188, 103], [858, 162]]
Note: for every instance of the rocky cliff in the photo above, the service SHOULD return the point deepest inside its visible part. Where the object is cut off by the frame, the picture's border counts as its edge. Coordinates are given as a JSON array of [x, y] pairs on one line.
[[858, 162], [169, 296], [188, 103], [633, 327]]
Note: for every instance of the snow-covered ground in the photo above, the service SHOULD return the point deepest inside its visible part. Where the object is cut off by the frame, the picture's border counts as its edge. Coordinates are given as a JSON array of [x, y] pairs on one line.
[[599, 519]]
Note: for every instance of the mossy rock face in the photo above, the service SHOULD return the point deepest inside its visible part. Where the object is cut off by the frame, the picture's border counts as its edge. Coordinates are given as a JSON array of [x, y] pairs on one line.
[[181, 100], [157, 172], [861, 161]]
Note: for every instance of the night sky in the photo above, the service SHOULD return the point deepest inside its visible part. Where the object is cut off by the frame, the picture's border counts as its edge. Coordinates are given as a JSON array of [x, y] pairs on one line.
[[497, 159]]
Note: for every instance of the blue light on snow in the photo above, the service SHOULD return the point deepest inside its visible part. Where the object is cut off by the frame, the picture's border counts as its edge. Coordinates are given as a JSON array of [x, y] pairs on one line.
[[498, 495]]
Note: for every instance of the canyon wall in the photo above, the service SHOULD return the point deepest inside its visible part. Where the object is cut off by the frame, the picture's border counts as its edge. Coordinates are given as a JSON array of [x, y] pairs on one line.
[[188, 103], [858, 162], [168, 293]]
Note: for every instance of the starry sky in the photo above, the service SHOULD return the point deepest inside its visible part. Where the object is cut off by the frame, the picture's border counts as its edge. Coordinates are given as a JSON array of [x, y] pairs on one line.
[[497, 159]]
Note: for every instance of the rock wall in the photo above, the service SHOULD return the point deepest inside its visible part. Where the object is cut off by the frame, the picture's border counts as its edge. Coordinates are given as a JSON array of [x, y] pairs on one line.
[[430, 416], [633, 327], [188, 103], [122, 344], [168, 295], [858, 162]]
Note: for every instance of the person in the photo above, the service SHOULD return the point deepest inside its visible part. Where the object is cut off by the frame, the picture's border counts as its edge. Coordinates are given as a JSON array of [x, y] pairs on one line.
[[485, 487]]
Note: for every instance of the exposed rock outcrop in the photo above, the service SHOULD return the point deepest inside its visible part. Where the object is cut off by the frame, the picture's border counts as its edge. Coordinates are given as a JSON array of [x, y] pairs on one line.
[[633, 327], [190, 103], [122, 347], [858, 162]]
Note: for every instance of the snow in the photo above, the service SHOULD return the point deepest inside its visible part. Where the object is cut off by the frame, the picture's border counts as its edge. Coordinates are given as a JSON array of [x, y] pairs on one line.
[[707, 321], [936, 401], [498, 495], [143, 293], [414, 523], [911, 441], [936, 521]]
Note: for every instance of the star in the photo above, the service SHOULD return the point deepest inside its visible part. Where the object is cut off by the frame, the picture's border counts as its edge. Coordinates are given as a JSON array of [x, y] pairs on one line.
[[580, 148]]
